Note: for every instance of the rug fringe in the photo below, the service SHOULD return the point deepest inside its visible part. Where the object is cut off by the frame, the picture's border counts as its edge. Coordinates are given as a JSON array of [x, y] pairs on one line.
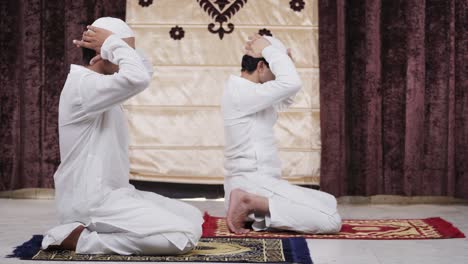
[[444, 227], [28, 249], [209, 226]]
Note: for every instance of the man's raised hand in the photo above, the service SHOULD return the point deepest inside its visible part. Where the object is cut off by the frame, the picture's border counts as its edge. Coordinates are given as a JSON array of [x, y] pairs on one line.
[[255, 45], [93, 38]]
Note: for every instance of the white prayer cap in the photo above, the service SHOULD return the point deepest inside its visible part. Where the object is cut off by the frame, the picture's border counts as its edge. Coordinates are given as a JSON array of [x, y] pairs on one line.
[[277, 44], [117, 26]]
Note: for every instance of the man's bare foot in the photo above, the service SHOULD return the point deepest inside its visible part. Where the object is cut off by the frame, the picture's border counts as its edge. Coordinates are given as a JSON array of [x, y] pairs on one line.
[[239, 208], [69, 243]]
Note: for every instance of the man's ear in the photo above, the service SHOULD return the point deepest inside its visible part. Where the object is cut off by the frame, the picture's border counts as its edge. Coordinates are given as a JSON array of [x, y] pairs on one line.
[[130, 41], [95, 59], [260, 65]]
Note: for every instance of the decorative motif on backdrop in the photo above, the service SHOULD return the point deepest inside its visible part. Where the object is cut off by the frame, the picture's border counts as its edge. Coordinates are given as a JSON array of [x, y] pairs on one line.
[[265, 32], [145, 3], [221, 11], [297, 5], [221, 15], [177, 33]]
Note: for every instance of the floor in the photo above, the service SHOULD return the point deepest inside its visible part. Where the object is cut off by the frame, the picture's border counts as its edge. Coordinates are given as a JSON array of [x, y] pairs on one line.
[[20, 219]]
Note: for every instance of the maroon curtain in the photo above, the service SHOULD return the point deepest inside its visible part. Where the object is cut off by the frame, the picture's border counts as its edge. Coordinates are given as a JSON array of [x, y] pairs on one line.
[[394, 97], [36, 52]]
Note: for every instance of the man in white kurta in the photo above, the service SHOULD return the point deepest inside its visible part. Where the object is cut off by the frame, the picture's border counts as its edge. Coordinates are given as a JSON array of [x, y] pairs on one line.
[[92, 184], [253, 185]]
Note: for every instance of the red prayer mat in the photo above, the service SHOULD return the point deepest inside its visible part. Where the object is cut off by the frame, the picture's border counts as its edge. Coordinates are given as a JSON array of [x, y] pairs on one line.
[[378, 229]]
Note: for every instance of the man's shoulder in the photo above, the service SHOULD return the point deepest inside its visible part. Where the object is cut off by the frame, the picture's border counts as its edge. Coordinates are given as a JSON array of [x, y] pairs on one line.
[[76, 69], [74, 77]]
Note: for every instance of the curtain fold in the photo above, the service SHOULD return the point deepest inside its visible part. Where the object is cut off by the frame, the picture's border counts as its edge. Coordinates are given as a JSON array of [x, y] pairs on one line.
[[393, 96], [36, 54]]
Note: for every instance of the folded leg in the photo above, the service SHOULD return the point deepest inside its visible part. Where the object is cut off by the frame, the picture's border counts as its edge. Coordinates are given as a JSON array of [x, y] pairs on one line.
[[292, 207], [129, 244], [133, 222], [286, 214]]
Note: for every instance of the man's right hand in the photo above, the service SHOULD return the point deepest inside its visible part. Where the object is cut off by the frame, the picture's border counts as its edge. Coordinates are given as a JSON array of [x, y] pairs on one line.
[[255, 45], [93, 38]]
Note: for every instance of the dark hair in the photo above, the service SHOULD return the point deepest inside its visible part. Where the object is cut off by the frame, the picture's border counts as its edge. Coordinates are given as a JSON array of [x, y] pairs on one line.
[[249, 63], [87, 55]]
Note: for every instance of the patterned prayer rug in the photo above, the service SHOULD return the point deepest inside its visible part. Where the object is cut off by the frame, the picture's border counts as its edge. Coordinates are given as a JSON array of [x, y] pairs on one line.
[[381, 229], [252, 250]]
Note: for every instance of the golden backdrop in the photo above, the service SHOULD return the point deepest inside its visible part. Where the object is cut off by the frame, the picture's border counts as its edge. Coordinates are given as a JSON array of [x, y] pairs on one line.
[[176, 130]]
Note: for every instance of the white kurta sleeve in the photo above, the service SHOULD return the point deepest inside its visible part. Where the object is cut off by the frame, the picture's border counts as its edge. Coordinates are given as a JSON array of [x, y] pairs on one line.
[[146, 62], [99, 92], [285, 104], [286, 84]]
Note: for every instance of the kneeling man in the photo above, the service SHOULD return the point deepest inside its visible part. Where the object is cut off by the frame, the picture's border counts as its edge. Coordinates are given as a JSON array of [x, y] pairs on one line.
[[100, 212], [254, 190]]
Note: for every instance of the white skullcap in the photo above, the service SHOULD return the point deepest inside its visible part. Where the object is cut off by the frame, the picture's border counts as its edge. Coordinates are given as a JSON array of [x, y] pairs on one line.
[[277, 44], [117, 26]]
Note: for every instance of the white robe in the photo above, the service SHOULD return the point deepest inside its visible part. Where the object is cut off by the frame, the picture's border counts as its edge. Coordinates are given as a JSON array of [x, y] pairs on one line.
[[91, 184], [251, 155]]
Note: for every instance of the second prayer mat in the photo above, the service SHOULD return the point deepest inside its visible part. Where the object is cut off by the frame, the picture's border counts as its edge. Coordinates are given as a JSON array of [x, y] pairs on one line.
[[378, 229]]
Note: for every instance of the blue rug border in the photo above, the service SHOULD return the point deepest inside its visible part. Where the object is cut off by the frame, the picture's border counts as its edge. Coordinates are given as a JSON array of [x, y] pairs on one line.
[[28, 249], [295, 250]]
